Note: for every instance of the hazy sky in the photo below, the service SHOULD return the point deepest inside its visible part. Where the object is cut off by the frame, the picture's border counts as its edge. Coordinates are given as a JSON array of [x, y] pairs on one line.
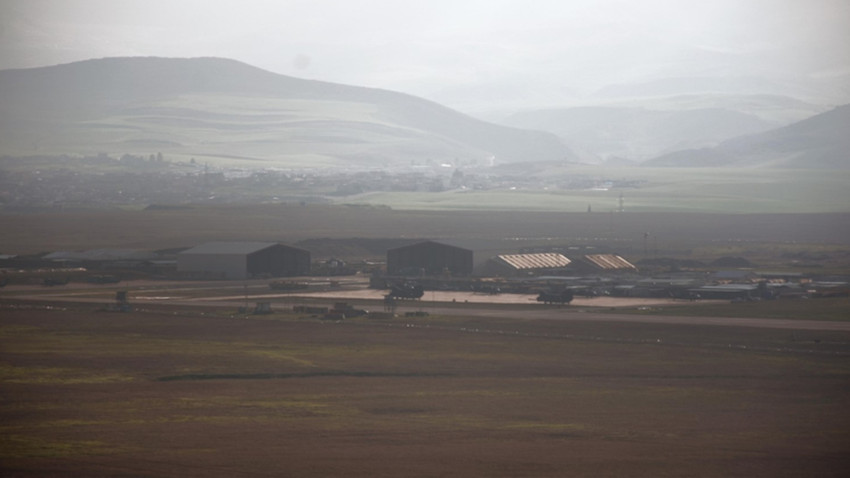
[[468, 54]]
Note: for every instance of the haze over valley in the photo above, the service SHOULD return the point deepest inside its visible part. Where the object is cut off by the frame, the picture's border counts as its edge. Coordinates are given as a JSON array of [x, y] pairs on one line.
[[209, 108], [209, 129], [611, 82]]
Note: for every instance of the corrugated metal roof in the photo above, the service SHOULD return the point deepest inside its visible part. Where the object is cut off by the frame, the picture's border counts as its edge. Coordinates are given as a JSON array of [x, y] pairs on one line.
[[733, 275], [609, 261], [229, 247], [728, 288], [100, 255], [549, 260], [428, 242]]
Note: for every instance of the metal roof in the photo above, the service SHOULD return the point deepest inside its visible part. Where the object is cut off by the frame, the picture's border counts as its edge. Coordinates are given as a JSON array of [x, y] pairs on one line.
[[548, 260], [101, 255], [609, 261], [429, 242], [728, 288], [733, 274], [229, 248]]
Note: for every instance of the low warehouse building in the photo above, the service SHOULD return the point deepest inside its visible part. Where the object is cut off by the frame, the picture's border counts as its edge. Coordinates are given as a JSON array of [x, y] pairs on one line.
[[603, 263], [429, 257], [243, 260]]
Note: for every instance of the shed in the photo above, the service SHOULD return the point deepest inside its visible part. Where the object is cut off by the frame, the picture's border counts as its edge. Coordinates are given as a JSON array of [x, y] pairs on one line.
[[429, 257], [243, 260]]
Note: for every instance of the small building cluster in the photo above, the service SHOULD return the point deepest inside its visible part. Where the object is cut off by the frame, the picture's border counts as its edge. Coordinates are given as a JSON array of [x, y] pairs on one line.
[[438, 266], [423, 265]]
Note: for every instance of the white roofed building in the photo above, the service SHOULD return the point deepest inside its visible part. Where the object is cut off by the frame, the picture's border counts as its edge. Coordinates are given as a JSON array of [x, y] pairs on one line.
[[527, 264]]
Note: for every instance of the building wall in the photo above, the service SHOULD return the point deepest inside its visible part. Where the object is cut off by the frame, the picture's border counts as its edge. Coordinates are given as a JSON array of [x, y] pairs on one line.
[[499, 268], [431, 257], [273, 261], [279, 261]]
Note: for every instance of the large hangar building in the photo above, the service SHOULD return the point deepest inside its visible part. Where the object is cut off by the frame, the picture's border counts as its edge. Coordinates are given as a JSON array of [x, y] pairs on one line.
[[243, 260], [429, 258]]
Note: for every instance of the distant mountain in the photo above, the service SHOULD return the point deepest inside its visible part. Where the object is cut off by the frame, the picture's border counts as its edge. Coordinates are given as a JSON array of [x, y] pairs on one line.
[[211, 107], [832, 89], [820, 142], [689, 85], [638, 133]]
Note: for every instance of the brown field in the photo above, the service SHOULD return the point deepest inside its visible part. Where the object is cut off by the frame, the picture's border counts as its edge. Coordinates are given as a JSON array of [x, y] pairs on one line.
[[759, 237], [186, 386], [181, 391]]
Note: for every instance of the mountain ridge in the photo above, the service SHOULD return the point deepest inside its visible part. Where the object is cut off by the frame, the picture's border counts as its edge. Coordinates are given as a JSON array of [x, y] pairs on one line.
[[637, 132], [197, 105], [819, 142]]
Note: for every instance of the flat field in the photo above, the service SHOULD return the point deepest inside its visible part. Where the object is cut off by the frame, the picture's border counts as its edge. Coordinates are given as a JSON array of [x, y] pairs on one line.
[[634, 234], [691, 190], [195, 392]]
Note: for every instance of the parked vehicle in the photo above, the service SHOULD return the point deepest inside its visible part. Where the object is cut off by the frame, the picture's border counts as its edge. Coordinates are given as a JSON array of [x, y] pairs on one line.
[[406, 291], [563, 297]]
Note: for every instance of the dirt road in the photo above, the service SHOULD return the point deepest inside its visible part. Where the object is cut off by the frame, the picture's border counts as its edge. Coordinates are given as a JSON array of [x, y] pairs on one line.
[[448, 303]]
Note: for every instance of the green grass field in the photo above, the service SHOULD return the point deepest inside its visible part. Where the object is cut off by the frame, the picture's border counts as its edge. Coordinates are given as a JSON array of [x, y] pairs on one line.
[[725, 191]]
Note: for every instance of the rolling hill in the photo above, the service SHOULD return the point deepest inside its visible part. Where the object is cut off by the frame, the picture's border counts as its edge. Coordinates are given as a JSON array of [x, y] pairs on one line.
[[213, 108], [637, 133], [820, 142]]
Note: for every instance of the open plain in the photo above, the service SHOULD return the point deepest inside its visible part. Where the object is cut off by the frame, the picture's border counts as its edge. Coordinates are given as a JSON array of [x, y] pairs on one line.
[[187, 384], [426, 241], [172, 390]]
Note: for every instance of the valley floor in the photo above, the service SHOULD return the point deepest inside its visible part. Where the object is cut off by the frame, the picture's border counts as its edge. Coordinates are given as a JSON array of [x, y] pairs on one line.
[[191, 391]]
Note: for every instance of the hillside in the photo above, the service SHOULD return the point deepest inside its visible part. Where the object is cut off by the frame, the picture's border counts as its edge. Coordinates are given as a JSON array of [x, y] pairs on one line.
[[637, 133], [820, 142], [212, 108]]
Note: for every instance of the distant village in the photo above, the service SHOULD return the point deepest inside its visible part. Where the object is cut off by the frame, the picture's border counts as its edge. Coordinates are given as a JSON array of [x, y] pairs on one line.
[[105, 181]]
